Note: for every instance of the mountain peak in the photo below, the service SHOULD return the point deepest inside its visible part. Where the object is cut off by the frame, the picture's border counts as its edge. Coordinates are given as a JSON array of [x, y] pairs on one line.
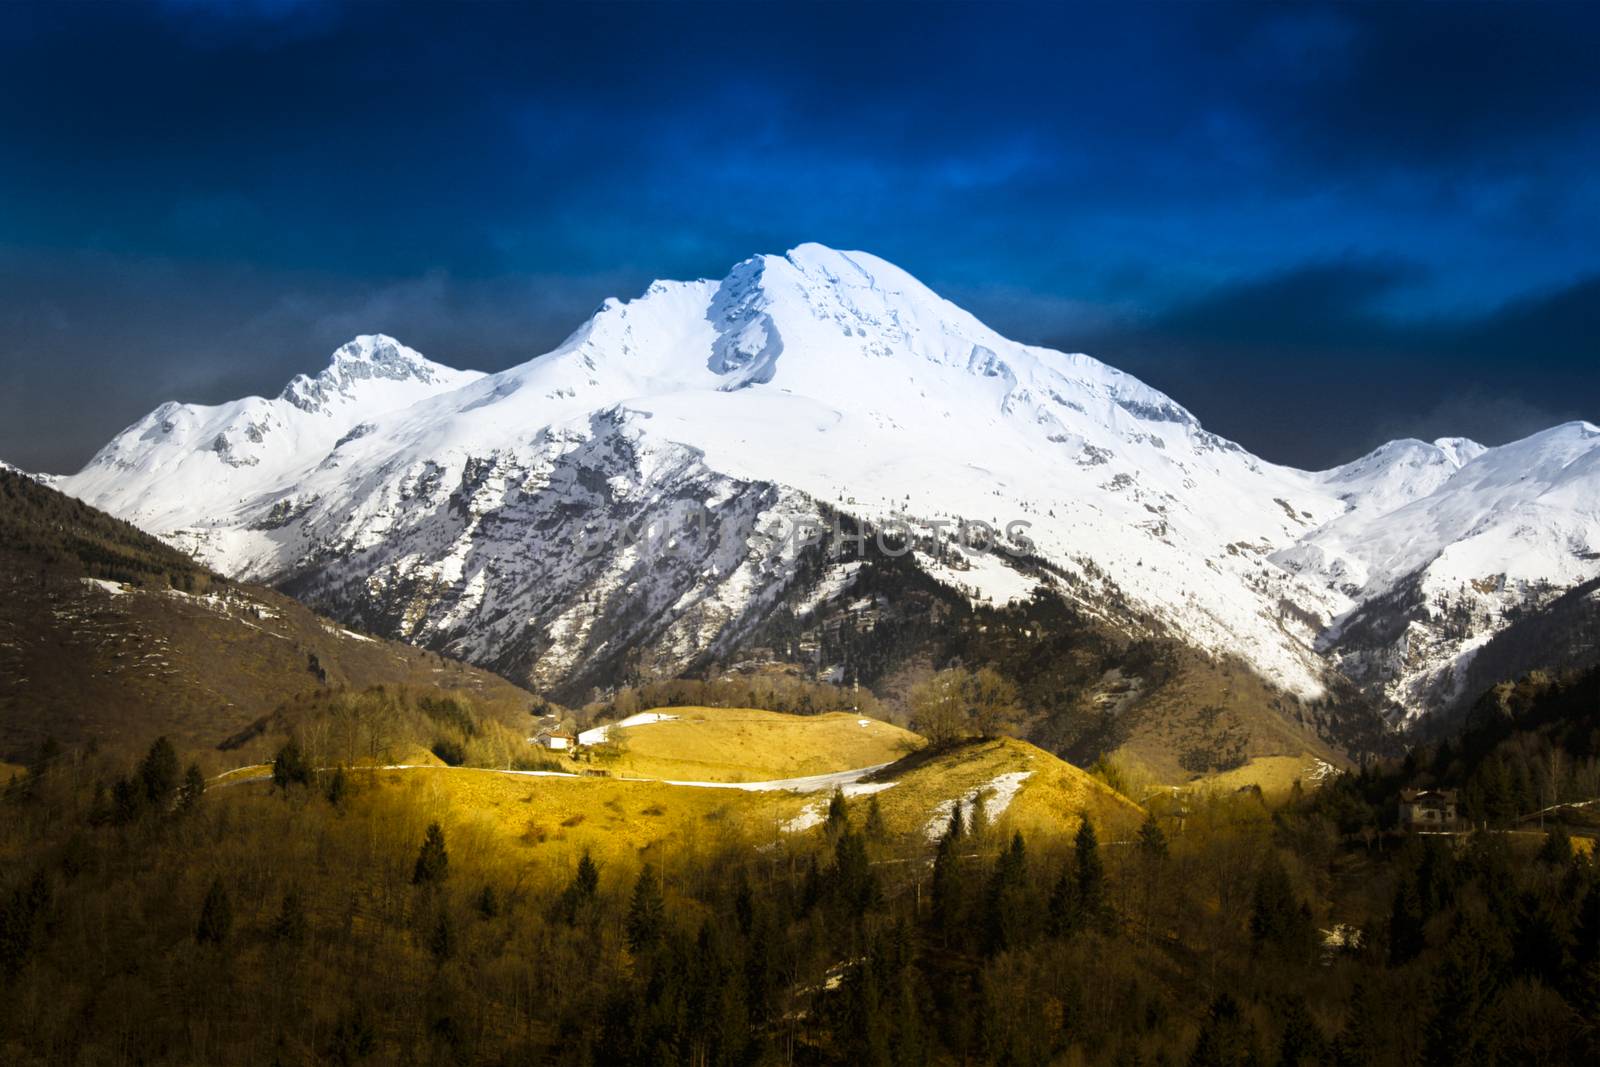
[[813, 258], [1460, 450], [368, 357], [842, 270]]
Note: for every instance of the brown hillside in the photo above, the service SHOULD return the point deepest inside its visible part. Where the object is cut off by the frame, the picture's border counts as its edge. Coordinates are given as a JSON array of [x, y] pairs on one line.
[[107, 634]]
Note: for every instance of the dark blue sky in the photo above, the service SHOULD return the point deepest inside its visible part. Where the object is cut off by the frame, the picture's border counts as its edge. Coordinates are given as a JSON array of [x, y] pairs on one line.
[[1316, 226]]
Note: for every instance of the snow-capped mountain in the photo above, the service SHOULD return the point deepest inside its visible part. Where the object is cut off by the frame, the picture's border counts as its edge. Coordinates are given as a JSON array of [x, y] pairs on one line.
[[498, 516], [1435, 576], [184, 458]]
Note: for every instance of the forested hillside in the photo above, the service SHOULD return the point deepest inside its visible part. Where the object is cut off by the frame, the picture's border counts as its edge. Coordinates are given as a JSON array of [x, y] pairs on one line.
[[329, 918]]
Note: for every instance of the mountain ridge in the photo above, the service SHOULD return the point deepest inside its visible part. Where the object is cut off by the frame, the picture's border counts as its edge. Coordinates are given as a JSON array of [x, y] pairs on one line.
[[834, 381]]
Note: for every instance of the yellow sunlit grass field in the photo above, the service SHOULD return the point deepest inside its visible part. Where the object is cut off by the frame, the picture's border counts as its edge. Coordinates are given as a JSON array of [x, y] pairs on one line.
[[626, 814], [751, 745], [530, 817], [1274, 775]]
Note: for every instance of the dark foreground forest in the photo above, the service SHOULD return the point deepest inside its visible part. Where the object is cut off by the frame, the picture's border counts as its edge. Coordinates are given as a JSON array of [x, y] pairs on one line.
[[145, 919]]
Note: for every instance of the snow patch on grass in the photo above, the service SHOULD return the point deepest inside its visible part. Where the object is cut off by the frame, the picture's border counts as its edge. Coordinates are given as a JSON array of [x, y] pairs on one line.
[[114, 588], [811, 815], [848, 781], [998, 794], [598, 735]]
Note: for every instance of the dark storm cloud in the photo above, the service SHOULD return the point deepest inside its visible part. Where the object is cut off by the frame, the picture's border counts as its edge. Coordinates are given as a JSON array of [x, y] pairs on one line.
[[1329, 304], [197, 198], [162, 331], [1437, 83], [1311, 367]]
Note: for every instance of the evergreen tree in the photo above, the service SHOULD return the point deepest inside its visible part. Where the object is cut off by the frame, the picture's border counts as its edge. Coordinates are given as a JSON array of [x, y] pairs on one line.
[[1436, 878], [587, 879], [581, 891], [1582, 983], [1469, 979], [338, 788], [645, 912], [1303, 1041], [866, 1024], [1091, 875], [1152, 841], [22, 913], [289, 767], [127, 801], [433, 862], [1003, 901], [1586, 930], [763, 979], [216, 915], [1495, 791], [1278, 921], [978, 820], [744, 906], [876, 830], [1557, 848], [1540, 936], [838, 815], [1066, 918], [291, 925], [194, 787], [851, 881], [1227, 1039], [1522, 791], [909, 1044], [442, 939], [158, 774], [957, 827], [1405, 924], [488, 902], [811, 887], [946, 886], [1359, 1044], [100, 810]]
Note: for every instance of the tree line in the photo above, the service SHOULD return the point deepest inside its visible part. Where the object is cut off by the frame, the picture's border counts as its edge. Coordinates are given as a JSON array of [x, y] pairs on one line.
[[326, 918]]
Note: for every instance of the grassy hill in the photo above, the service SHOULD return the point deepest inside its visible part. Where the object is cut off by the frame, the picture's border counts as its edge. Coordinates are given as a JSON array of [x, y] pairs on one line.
[[1204, 718], [107, 634], [750, 745], [1275, 776], [1046, 794], [554, 818]]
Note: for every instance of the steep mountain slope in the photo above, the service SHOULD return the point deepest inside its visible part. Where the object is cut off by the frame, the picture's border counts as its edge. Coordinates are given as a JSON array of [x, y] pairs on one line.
[[1434, 578], [629, 502], [108, 634], [1556, 637]]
